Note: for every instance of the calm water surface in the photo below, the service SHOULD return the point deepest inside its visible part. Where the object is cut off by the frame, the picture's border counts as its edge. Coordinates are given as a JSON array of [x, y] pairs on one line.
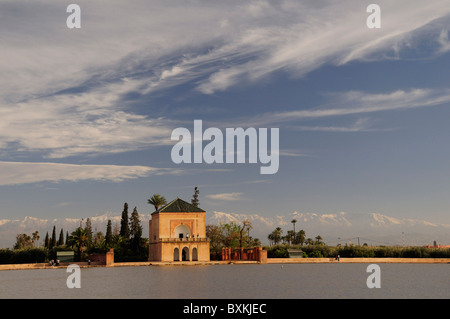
[[232, 281]]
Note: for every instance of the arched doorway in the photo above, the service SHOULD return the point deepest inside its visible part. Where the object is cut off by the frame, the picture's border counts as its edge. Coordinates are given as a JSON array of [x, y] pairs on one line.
[[185, 254], [182, 231], [176, 254], [194, 254]]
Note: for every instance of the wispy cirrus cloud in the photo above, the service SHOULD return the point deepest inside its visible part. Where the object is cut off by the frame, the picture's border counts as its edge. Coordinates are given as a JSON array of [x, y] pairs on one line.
[[57, 101], [92, 122], [356, 103], [16, 173], [213, 45], [235, 196], [361, 125], [309, 37]]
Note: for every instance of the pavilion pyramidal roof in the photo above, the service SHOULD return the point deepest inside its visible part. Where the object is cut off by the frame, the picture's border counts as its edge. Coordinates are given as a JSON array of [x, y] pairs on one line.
[[179, 206]]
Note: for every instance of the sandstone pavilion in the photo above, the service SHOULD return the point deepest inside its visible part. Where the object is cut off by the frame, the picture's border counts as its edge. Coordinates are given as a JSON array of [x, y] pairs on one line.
[[177, 232]]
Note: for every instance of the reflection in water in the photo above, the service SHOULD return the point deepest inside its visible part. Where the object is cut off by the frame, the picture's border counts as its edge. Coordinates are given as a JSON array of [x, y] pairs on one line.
[[289, 281]]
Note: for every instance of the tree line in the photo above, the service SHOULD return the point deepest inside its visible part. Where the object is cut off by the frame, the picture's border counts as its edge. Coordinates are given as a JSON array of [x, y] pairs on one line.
[[292, 237], [127, 241], [357, 251], [316, 248]]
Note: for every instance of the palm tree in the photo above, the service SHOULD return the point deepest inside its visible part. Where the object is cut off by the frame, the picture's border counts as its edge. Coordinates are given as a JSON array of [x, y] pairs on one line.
[[80, 239], [157, 200], [255, 242], [290, 238], [35, 237], [271, 238], [275, 236], [300, 237], [278, 232], [293, 223], [318, 238]]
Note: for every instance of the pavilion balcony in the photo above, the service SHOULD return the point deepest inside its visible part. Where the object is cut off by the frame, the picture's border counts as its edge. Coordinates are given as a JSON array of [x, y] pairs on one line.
[[177, 240]]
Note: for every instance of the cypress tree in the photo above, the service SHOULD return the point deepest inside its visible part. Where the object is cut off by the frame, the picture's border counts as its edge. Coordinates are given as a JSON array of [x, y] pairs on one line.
[[88, 229], [109, 235], [53, 239], [46, 241], [61, 238], [135, 229], [124, 227]]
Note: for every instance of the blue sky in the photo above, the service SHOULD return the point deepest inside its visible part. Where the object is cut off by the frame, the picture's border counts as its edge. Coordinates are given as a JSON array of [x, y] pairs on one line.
[[86, 114]]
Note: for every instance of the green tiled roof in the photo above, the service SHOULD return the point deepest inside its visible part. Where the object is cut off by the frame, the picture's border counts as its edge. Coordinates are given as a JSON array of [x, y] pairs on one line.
[[179, 206]]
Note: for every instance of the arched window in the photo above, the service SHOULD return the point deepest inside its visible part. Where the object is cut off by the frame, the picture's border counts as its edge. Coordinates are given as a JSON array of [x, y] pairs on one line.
[[176, 254], [182, 231], [194, 254]]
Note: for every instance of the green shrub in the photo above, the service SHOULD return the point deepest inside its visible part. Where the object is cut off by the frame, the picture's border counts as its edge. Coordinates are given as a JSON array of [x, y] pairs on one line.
[[278, 253], [439, 252], [6, 256], [23, 256], [315, 254], [362, 252]]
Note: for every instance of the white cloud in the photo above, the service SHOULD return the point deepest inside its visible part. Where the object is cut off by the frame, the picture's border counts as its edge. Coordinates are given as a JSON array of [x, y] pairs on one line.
[[444, 42], [360, 125], [293, 153], [14, 173], [226, 196], [308, 37], [229, 42], [354, 103], [61, 90], [72, 124]]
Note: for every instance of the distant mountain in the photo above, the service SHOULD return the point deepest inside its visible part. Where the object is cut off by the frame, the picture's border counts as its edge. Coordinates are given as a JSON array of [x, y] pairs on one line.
[[9, 228], [373, 229]]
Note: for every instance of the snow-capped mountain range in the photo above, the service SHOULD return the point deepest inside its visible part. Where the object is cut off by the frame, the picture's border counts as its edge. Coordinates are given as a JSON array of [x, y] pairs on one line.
[[374, 229]]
